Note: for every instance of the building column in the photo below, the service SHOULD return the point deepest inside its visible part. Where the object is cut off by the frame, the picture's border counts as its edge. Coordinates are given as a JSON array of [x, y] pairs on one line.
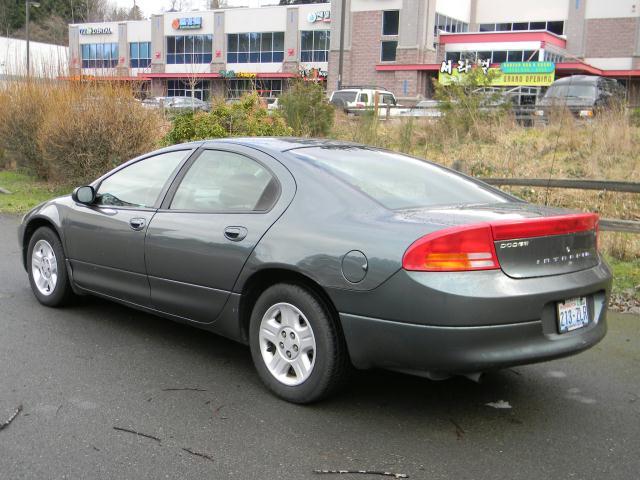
[[75, 57], [291, 42], [219, 61], [122, 69], [158, 44], [575, 28]]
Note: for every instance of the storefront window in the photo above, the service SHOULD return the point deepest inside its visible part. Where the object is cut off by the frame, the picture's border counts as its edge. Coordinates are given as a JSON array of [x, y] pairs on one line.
[[200, 89], [236, 88], [448, 24], [99, 55], [314, 46], [256, 47], [556, 27], [497, 56], [187, 49], [140, 54]]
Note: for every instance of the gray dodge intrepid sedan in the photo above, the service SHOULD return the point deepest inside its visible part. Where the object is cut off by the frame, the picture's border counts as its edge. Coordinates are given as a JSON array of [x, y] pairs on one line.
[[324, 255]]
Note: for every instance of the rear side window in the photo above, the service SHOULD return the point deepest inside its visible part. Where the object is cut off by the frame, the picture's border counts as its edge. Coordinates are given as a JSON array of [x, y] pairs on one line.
[[139, 184], [226, 181], [347, 96], [364, 97], [397, 181]]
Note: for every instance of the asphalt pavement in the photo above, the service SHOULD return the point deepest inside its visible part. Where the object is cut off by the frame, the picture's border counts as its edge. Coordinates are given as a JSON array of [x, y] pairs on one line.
[[82, 373]]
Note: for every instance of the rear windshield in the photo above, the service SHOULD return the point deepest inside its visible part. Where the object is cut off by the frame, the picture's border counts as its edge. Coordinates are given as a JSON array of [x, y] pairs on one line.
[[398, 181], [346, 96], [571, 91]]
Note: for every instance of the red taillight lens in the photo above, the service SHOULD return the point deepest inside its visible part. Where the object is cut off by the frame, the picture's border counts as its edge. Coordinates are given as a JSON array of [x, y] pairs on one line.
[[453, 249], [545, 226]]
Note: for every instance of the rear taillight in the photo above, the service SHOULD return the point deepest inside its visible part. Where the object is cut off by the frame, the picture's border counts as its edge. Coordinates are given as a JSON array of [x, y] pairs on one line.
[[471, 247], [544, 226], [453, 249]]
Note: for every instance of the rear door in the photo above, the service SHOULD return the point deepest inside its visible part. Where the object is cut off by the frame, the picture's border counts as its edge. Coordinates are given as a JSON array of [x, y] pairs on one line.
[[218, 209], [105, 240]]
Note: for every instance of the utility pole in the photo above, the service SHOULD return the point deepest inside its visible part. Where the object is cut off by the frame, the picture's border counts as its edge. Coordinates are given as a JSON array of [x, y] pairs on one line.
[[28, 3], [341, 57]]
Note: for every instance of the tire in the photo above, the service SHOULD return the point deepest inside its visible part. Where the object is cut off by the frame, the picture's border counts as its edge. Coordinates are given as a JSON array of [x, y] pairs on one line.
[[50, 280], [307, 366]]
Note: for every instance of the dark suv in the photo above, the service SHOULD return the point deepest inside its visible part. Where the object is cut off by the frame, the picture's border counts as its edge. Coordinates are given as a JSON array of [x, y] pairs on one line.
[[582, 95]]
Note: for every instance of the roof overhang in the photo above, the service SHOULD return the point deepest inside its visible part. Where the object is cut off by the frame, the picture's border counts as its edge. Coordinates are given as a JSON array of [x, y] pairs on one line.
[[541, 36]]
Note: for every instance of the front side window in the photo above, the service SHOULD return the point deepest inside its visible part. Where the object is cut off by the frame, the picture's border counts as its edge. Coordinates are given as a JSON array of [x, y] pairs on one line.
[[189, 49], [99, 55], [225, 181], [390, 22], [388, 51], [314, 46], [140, 184], [256, 47], [140, 54]]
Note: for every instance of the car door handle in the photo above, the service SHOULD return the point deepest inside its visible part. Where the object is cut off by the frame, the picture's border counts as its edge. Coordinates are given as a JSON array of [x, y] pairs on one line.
[[235, 234], [137, 224]]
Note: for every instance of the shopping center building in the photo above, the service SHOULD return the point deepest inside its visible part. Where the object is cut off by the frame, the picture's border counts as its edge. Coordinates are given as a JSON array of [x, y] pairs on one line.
[[223, 52], [397, 44], [401, 44]]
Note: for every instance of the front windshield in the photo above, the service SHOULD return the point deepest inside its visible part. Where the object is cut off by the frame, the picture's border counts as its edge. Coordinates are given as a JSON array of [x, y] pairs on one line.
[[571, 91]]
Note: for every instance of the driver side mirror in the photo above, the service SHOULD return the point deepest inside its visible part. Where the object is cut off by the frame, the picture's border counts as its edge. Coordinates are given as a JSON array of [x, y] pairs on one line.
[[85, 195]]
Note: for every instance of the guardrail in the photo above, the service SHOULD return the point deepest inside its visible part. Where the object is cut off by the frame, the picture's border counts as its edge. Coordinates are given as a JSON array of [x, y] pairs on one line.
[[608, 224]]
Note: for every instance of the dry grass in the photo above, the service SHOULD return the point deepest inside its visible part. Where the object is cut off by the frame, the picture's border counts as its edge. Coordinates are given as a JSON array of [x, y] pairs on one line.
[[607, 148]]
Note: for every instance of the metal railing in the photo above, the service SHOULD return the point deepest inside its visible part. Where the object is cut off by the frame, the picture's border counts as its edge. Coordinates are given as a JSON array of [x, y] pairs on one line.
[[608, 224]]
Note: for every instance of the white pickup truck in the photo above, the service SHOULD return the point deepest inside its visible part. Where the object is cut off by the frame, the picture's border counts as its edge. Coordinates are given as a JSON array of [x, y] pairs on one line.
[[355, 100]]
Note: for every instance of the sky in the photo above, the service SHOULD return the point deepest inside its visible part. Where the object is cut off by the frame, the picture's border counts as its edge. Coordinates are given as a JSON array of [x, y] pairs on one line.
[[150, 7]]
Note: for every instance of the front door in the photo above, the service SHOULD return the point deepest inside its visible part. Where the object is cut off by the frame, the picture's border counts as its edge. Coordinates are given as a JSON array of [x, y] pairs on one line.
[[105, 240], [197, 245]]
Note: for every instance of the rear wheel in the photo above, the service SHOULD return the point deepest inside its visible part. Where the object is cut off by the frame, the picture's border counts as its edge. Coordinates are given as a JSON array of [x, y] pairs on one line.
[[46, 268], [296, 346]]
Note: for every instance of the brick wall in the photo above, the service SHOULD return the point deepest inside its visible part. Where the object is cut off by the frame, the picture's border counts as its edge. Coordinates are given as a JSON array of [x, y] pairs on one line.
[[610, 37], [361, 59]]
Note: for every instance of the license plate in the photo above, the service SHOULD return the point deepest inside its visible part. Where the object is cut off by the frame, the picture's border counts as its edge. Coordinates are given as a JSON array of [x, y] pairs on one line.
[[573, 314]]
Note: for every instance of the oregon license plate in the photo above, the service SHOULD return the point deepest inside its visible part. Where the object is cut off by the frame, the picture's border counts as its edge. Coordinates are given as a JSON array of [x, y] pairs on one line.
[[573, 314]]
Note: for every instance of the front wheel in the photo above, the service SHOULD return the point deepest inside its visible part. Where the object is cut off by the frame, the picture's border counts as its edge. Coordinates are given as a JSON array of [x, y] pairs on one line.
[[296, 346], [46, 268]]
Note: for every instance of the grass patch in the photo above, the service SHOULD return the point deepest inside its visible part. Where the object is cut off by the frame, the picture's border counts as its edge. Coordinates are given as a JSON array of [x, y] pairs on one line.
[[626, 275], [26, 191]]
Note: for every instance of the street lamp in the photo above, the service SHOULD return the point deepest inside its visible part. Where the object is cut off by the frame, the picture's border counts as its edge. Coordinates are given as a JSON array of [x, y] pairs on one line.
[[29, 3]]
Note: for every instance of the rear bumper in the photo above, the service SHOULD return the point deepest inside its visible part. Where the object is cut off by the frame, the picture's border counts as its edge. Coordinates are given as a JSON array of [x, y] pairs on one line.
[[374, 342], [471, 321]]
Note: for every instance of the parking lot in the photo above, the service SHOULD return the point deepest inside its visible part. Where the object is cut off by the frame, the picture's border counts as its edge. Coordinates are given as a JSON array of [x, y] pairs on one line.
[[89, 376]]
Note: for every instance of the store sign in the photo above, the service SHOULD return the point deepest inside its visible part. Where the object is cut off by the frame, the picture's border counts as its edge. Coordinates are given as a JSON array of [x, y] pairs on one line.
[[187, 23], [96, 31], [320, 16], [510, 74], [310, 73], [232, 74], [527, 67]]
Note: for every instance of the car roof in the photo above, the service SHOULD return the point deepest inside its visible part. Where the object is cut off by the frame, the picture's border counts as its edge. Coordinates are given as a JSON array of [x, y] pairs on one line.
[[279, 144], [577, 79]]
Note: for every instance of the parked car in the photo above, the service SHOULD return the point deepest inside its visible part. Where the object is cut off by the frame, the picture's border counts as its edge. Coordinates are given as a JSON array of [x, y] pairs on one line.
[[424, 108], [582, 95], [177, 103], [273, 104], [321, 254]]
